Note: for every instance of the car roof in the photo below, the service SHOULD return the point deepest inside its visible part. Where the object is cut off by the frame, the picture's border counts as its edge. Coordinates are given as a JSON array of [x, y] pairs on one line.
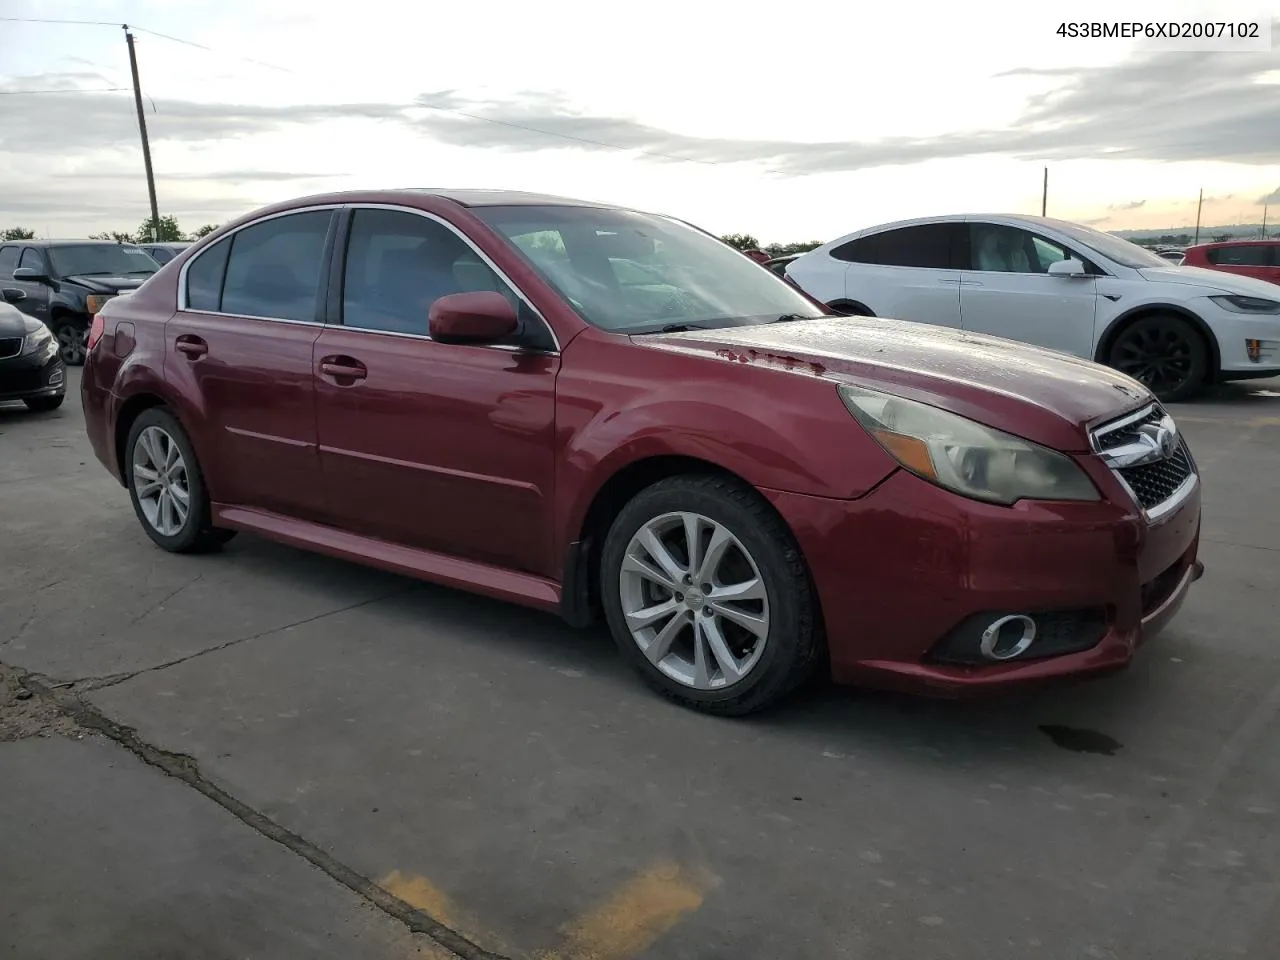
[[469, 197], [1269, 242]]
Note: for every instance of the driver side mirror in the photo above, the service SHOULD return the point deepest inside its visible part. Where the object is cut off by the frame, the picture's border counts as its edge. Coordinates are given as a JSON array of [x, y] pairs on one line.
[[12, 295], [479, 317], [1067, 268], [29, 275]]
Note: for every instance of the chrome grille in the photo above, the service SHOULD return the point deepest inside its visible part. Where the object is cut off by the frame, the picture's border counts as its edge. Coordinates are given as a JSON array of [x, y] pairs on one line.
[[1156, 482], [10, 347]]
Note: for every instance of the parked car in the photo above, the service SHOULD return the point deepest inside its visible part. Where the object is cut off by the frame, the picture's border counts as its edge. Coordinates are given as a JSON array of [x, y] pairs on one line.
[[1058, 285], [779, 264], [1248, 258], [65, 282], [162, 253], [456, 386], [1173, 256], [30, 368]]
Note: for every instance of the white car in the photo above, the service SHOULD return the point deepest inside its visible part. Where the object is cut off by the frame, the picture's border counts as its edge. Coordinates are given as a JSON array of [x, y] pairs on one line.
[[1057, 285]]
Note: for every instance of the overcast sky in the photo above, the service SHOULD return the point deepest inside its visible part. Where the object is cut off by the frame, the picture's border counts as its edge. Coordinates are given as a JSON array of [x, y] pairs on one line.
[[792, 121]]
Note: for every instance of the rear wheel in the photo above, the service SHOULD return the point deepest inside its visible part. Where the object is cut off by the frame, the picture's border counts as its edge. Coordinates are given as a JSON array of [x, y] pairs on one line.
[[167, 487], [1165, 353], [44, 404], [707, 596]]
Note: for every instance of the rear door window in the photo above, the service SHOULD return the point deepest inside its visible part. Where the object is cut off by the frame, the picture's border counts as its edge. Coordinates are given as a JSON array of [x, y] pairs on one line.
[[1244, 255], [274, 267], [930, 245]]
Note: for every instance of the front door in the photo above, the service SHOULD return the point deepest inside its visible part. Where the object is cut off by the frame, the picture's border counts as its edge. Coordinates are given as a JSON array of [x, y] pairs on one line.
[[38, 297], [1008, 292], [437, 446], [240, 350]]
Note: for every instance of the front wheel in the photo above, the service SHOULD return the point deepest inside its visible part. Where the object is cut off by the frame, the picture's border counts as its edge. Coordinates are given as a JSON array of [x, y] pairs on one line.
[[73, 340], [167, 486], [1164, 353], [707, 595], [44, 404]]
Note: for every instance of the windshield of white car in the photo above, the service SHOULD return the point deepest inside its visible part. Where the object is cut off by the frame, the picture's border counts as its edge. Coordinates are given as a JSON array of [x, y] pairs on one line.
[[628, 272], [101, 260], [1112, 247]]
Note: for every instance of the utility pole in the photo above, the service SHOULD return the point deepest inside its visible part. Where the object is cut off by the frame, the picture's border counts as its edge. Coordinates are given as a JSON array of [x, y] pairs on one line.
[[1044, 196], [142, 129], [1198, 208], [1264, 221]]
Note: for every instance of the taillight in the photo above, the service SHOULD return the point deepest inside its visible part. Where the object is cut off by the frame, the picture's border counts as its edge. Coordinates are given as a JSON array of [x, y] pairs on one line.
[[95, 330]]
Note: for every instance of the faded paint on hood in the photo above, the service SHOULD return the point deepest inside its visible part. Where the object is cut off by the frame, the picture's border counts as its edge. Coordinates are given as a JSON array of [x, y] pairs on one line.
[[1042, 395]]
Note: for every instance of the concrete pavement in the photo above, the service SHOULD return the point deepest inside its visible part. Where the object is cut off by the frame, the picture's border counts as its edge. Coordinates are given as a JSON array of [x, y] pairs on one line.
[[295, 736]]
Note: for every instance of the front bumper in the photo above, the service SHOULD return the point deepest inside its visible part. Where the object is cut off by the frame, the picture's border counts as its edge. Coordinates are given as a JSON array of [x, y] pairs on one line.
[[40, 374], [1248, 344], [906, 569]]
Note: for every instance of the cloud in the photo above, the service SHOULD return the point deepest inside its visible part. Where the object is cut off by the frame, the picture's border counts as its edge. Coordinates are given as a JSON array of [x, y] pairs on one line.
[[1132, 205], [224, 176], [1272, 197]]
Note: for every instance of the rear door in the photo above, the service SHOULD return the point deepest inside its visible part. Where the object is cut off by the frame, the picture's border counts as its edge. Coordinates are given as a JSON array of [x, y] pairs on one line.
[[908, 273], [239, 350], [1008, 292], [444, 447]]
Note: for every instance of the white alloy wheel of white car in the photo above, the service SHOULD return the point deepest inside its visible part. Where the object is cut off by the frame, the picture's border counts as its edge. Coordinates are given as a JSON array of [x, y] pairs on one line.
[[1058, 285]]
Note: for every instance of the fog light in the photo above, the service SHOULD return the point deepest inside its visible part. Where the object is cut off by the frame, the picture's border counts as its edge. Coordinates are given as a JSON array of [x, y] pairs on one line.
[[55, 377], [1259, 350], [1008, 637]]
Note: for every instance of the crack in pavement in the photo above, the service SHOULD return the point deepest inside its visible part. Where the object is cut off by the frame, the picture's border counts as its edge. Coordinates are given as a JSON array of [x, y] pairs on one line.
[[183, 767], [112, 679], [165, 599]]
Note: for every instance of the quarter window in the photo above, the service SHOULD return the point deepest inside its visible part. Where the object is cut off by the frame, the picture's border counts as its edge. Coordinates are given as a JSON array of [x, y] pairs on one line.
[[398, 264], [861, 250], [205, 276], [273, 267]]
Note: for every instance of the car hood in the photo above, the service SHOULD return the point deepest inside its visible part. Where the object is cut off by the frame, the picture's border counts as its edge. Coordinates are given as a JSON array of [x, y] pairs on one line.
[[1041, 395], [1219, 280], [97, 284]]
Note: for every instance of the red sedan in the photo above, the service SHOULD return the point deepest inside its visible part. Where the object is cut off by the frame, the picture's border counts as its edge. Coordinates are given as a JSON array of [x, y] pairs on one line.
[[595, 411]]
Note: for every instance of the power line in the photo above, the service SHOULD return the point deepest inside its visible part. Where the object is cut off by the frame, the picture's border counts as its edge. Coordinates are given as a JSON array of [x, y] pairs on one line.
[[422, 106], [20, 93]]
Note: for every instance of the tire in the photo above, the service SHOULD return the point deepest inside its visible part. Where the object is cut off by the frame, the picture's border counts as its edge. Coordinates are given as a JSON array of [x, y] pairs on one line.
[[149, 441], [72, 337], [765, 666], [45, 404], [1163, 352], [843, 308]]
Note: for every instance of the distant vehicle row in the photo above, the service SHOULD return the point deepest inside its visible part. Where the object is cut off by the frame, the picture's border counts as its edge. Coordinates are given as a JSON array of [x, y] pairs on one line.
[[1058, 285]]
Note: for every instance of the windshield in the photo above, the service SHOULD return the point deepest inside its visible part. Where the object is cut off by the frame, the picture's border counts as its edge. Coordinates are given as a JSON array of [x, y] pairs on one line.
[[1113, 248], [637, 273], [101, 260]]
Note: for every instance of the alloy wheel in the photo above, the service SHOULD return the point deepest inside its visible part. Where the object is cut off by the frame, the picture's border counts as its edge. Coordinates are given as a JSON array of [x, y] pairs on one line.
[[160, 481], [694, 600], [1157, 356], [72, 343]]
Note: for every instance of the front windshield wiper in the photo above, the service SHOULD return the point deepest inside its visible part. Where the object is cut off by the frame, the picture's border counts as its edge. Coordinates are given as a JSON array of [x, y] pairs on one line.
[[146, 273], [788, 317], [678, 328]]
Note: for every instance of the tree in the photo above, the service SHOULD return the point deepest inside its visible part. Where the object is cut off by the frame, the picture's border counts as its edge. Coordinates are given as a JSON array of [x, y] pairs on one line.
[[165, 230], [786, 249], [18, 233], [204, 231], [115, 235], [743, 241]]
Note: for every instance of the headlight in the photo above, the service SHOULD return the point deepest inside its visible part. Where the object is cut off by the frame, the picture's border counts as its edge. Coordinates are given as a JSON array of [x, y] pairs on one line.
[[94, 301], [963, 456], [1238, 304], [37, 336]]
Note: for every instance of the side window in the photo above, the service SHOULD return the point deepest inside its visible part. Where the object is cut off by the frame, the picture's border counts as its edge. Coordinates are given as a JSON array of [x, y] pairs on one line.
[[8, 262], [205, 275], [1048, 252], [861, 250], [398, 264], [160, 255], [1245, 255], [928, 245], [273, 268], [1000, 249], [32, 258]]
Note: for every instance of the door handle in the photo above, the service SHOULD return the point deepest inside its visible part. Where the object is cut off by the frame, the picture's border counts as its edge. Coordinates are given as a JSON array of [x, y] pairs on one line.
[[193, 347], [343, 368]]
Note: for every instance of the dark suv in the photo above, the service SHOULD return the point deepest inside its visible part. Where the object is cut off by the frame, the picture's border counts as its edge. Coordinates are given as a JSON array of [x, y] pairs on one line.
[[65, 282]]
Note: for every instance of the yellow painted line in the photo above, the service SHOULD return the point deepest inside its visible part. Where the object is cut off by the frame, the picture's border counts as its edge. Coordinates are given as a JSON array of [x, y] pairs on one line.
[[418, 891], [633, 919]]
